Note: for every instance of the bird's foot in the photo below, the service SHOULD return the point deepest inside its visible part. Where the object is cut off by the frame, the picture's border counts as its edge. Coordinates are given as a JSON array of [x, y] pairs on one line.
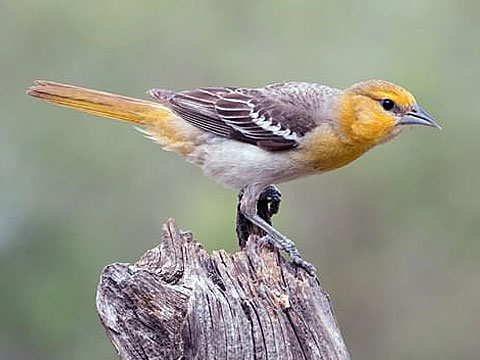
[[267, 241], [287, 245], [268, 204]]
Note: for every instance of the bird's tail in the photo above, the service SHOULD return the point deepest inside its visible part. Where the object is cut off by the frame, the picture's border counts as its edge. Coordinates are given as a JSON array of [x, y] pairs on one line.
[[161, 123], [100, 103]]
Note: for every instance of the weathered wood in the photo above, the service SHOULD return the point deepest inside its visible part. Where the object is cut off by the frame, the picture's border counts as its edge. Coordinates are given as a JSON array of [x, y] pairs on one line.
[[179, 302]]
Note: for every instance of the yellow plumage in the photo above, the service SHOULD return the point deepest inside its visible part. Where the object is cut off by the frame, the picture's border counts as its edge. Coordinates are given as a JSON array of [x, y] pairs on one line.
[[160, 122]]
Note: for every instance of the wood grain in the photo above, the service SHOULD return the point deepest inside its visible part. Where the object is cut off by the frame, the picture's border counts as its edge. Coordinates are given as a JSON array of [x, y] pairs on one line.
[[179, 302]]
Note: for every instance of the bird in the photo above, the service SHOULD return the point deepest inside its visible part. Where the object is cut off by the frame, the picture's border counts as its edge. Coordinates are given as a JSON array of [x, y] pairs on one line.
[[249, 139]]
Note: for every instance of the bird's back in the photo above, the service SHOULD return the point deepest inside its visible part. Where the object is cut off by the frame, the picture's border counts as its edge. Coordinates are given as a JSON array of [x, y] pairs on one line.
[[273, 117]]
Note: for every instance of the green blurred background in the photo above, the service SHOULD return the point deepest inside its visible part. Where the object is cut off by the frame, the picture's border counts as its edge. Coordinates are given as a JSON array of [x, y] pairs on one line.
[[395, 235]]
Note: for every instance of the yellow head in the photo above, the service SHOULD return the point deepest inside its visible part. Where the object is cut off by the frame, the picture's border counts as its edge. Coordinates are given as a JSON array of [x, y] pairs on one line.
[[374, 111]]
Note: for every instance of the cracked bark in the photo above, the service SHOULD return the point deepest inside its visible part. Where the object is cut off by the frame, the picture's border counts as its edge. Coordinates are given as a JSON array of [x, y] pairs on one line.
[[178, 302]]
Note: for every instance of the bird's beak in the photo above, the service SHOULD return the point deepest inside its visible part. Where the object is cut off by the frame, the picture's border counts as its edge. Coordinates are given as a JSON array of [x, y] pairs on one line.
[[417, 116]]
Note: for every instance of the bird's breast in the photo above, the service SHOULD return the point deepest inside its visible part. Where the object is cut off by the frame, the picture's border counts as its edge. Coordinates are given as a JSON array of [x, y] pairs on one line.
[[324, 150]]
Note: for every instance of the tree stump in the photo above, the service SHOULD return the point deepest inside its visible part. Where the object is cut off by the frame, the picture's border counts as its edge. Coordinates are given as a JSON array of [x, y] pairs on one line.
[[179, 302]]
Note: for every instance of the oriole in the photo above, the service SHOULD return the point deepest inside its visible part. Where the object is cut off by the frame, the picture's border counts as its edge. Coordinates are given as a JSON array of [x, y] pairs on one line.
[[249, 138]]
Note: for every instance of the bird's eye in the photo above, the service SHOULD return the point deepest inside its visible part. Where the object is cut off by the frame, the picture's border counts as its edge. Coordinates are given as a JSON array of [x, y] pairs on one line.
[[387, 104]]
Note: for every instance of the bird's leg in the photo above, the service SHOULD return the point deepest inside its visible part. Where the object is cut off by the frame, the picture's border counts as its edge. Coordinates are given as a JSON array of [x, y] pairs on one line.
[[250, 210], [268, 204], [243, 227]]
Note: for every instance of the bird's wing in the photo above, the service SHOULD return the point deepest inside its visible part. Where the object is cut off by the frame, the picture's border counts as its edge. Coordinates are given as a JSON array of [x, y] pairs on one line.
[[273, 118]]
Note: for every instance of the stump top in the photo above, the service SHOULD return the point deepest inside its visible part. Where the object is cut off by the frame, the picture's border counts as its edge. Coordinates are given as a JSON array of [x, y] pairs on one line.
[[179, 302]]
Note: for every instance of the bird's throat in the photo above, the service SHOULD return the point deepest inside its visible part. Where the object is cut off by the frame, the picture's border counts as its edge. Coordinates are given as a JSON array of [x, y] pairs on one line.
[[324, 150]]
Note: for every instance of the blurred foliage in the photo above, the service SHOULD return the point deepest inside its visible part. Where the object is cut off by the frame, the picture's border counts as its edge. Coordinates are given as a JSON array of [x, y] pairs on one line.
[[395, 235]]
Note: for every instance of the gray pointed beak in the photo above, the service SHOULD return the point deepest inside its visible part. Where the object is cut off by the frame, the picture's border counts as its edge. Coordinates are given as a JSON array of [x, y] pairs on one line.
[[417, 116]]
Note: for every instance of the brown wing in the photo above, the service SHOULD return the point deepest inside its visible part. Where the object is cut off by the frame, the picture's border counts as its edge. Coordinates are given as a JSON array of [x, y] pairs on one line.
[[273, 118]]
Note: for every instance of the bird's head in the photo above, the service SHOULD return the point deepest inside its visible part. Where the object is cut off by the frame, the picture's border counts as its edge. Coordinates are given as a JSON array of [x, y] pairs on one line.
[[374, 111]]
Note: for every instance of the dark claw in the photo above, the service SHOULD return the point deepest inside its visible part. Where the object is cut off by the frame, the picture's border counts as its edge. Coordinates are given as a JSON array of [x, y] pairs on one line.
[[297, 259], [305, 265], [269, 202], [268, 205], [267, 241]]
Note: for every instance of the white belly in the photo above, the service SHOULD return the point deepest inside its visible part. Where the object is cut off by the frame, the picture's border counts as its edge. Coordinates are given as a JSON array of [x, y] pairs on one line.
[[236, 164]]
